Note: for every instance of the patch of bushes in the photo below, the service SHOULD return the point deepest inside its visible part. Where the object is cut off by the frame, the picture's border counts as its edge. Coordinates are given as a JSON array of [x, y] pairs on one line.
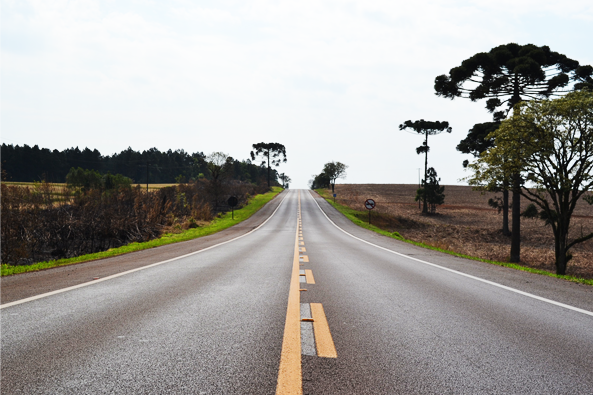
[[35, 227]]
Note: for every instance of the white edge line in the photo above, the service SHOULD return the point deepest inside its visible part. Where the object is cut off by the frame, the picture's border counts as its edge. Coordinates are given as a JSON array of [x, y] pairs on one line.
[[566, 306], [32, 298]]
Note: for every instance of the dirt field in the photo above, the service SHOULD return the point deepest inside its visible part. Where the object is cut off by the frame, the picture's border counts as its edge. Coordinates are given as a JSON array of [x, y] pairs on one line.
[[466, 224]]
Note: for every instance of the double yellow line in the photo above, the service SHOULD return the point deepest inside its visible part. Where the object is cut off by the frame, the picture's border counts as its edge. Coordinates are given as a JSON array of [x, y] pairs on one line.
[[290, 378]]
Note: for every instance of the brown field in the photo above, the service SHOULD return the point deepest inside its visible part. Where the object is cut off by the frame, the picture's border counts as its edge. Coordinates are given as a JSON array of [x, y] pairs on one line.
[[154, 186], [467, 225]]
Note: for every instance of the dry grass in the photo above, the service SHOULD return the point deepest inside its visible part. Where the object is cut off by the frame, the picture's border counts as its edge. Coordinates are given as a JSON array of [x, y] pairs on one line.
[[154, 186], [58, 184], [61, 194], [467, 225]]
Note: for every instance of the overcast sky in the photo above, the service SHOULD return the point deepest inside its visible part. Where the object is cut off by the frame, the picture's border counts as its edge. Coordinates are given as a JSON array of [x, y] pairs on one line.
[[331, 80]]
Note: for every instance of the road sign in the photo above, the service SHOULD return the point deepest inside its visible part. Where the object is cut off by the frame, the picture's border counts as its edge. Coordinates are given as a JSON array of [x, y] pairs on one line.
[[369, 204], [233, 201]]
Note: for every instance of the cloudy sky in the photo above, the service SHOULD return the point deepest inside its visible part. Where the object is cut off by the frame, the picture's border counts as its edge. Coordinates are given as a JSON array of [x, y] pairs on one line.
[[331, 80]]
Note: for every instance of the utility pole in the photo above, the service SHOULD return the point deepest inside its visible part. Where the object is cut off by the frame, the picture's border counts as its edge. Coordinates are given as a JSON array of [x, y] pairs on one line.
[[146, 176]]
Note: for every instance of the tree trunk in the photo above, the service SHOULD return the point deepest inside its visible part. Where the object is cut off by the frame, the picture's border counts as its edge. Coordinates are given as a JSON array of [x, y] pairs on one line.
[[560, 252], [561, 236], [268, 169], [505, 212], [424, 203], [516, 231]]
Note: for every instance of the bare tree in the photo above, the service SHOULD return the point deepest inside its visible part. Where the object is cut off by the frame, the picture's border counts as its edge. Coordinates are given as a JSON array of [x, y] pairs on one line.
[[219, 166]]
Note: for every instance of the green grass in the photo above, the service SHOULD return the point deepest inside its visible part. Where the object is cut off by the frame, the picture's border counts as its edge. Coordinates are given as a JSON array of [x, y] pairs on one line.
[[216, 225], [353, 215]]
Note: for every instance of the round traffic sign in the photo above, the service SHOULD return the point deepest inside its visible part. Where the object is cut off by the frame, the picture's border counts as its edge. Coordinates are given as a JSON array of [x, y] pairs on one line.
[[233, 201], [369, 204]]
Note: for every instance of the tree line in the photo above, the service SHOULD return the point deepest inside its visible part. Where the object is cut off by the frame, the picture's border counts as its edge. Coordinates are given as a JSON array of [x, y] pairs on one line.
[[96, 211], [328, 176], [28, 164]]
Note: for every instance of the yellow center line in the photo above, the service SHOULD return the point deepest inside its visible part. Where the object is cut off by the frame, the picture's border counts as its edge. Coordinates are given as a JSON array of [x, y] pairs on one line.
[[290, 379], [323, 337]]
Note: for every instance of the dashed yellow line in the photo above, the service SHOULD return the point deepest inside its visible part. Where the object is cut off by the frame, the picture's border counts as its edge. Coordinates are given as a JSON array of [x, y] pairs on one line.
[[305, 258], [309, 277], [323, 338], [290, 379]]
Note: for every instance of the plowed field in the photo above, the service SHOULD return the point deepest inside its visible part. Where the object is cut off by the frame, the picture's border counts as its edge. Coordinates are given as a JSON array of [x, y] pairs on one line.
[[466, 224]]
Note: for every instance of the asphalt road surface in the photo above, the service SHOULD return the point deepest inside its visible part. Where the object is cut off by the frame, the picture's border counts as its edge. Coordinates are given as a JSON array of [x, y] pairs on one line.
[[306, 303]]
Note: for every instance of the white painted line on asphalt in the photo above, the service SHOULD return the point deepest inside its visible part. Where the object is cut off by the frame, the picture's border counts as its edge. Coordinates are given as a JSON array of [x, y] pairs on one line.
[[32, 298], [550, 301]]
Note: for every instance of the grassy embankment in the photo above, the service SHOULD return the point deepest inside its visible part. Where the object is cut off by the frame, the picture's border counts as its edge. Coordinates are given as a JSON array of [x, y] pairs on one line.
[[360, 218], [216, 225]]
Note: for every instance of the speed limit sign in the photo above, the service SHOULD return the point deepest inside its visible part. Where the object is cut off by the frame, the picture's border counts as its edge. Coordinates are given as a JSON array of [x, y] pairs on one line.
[[369, 204]]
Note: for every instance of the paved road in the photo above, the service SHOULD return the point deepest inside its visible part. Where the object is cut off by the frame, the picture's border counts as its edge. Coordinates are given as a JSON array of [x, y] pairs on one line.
[[373, 321]]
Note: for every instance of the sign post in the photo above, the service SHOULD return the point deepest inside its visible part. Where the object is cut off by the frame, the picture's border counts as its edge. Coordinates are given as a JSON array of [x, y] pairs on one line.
[[334, 198], [369, 204], [233, 201]]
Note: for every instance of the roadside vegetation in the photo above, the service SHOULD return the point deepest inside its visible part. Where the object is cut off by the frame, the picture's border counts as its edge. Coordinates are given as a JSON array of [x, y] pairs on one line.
[[538, 148], [464, 227], [96, 213], [174, 230], [328, 176], [430, 193], [508, 76]]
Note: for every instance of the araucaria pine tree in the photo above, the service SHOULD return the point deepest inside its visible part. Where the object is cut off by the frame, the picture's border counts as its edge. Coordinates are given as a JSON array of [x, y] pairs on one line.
[[431, 191], [505, 76], [426, 128]]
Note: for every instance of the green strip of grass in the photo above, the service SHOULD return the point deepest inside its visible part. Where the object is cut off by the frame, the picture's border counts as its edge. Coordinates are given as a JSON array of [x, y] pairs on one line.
[[353, 215], [216, 225]]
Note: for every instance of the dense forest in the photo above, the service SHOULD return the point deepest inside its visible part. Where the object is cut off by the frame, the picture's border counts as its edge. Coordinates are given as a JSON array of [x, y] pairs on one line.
[[28, 164]]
